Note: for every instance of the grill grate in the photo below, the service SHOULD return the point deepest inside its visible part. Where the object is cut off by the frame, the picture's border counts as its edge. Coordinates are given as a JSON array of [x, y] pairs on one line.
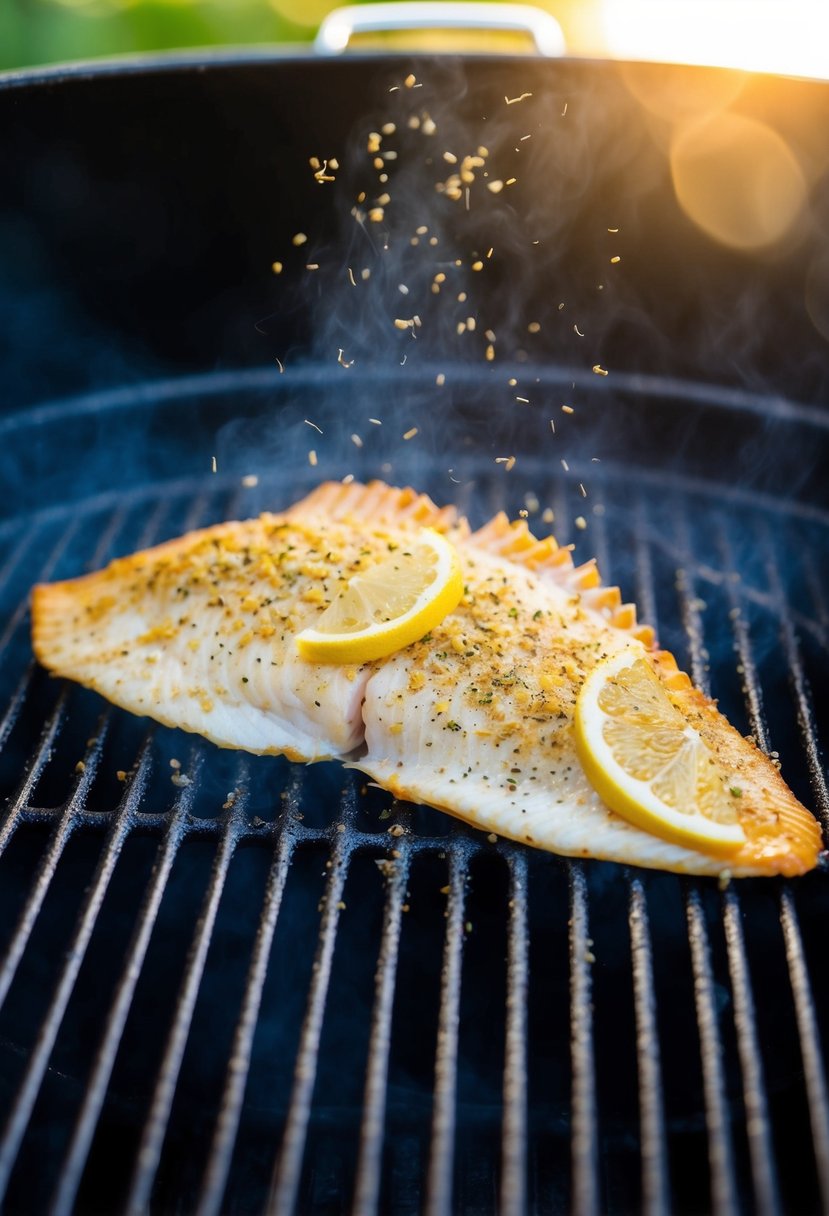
[[222, 1004]]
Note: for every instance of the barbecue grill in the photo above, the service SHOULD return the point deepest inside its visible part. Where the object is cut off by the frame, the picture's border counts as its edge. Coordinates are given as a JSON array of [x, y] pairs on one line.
[[233, 984]]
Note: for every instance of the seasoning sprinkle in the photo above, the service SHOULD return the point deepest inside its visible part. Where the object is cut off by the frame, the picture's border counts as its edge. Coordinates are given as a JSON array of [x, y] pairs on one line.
[[250, 480], [213, 464], [357, 441], [495, 186], [600, 371], [580, 522], [351, 278], [312, 458], [512, 100], [410, 434], [314, 425], [614, 260], [440, 379], [276, 267], [299, 238], [567, 409]]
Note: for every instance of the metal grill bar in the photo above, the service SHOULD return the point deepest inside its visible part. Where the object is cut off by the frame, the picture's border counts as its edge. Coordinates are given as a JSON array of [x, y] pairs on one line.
[[73, 1165], [442, 1144], [655, 1191], [369, 1162], [797, 676], [584, 1116], [748, 1047], [27, 1095], [285, 1180], [21, 800], [813, 1064], [754, 1087], [155, 1127], [514, 1138], [230, 1109], [62, 831], [720, 1148]]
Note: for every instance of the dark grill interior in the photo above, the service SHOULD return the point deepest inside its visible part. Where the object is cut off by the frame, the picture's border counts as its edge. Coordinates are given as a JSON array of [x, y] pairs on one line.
[[274, 988]]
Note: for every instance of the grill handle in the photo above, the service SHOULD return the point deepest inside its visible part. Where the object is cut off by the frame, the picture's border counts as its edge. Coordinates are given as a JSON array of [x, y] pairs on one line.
[[338, 28]]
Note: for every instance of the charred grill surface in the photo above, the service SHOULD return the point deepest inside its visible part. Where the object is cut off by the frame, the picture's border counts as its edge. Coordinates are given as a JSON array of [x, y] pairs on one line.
[[236, 984]]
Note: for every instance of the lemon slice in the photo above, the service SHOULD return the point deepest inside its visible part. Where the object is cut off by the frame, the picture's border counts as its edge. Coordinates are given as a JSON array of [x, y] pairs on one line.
[[389, 605], [648, 764]]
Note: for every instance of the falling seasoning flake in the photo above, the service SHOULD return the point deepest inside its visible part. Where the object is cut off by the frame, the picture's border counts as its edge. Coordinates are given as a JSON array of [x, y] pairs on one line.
[[376, 215], [299, 238], [308, 422], [548, 515], [582, 490], [402, 323], [312, 265], [523, 400], [565, 465], [276, 267], [352, 280], [507, 461], [213, 464], [376, 421], [534, 327], [477, 265], [613, 229], [440, 379], [599, 370], [495, 186], [567, 409], [312, 458], [357, 441], [410, 434], [410, 81], [614, 260], [343, 362], [512, 100], [580, 522], [490, 353], [250, 480]]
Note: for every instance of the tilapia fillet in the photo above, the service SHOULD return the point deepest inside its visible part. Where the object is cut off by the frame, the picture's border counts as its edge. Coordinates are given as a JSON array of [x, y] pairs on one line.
[[475, 719]]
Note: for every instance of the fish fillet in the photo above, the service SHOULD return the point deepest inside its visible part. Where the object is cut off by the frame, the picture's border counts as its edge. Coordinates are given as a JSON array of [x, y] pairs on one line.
[[475, 719]]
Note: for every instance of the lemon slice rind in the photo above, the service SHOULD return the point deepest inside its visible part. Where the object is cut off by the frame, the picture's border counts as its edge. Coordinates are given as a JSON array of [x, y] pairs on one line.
[[440, 596], [631, 797]]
